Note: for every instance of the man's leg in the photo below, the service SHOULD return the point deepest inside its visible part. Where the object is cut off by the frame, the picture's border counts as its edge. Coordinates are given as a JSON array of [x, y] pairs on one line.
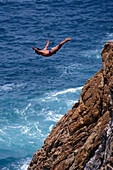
[[63, 42], [55, 49]]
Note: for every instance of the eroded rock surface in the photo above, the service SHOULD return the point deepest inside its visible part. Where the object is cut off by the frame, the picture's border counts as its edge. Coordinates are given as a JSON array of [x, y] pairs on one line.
[[81, 133], [103, 157]]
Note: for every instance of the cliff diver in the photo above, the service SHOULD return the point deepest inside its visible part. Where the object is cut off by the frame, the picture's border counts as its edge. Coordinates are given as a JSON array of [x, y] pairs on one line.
[[48, 53]]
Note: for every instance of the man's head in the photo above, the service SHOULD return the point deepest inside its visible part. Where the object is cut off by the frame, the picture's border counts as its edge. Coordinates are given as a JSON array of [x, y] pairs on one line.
[[38, 51]]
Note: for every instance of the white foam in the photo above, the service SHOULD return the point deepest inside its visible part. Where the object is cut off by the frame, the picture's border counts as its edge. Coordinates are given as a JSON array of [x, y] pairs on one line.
[[51, 127], [43, 100], [10, 87], [51, 117], [5, 168], [20, 85], [110, 35], [50, 113], [25, 129], [1, 140], [30, 142], [25, 164], [2, 132], [50, 98], [20, 165], [16, 110], [23, 112], [37, 128], [71, 90], [13, 127], [71, 102], [24, 167], [6, 87], [98, 56]]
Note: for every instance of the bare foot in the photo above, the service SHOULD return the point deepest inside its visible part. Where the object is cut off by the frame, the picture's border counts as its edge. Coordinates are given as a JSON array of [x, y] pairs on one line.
[[68, 39]]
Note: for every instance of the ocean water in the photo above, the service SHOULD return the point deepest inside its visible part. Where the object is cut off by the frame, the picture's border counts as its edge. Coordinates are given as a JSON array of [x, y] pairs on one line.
[[35, 91]]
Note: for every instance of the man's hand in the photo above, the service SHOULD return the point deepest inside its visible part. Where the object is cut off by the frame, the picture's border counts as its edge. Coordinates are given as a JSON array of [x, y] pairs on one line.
[[33, 48]]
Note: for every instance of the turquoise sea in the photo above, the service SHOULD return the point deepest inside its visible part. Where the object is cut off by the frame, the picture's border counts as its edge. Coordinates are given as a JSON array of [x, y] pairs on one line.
[[35, 91]]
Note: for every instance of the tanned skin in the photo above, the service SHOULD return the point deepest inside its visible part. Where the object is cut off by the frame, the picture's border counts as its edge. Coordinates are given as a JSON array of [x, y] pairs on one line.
[[46, 53]]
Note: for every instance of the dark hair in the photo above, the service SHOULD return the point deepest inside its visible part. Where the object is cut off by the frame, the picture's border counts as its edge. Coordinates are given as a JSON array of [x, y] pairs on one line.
[[38, 49], [39, 53]]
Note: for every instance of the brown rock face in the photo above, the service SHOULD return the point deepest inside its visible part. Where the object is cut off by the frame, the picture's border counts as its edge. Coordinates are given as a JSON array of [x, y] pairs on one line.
[[76, 137]]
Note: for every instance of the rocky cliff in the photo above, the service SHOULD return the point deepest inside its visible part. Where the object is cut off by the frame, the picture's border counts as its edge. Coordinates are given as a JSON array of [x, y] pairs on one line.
[[83, 138]]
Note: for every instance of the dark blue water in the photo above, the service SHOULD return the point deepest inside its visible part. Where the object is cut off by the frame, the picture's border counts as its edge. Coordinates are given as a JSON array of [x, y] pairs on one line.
[[35, 92]]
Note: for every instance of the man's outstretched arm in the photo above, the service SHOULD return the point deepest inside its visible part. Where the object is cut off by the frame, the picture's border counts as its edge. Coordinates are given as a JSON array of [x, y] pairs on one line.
[[46, 45], [36, 51]]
